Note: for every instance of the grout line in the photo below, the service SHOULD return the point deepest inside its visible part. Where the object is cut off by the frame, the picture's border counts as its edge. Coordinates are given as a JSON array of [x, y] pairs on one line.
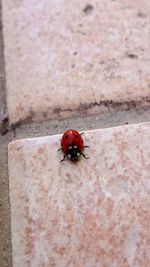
[[5, 227], [50, 127], [86, 109]]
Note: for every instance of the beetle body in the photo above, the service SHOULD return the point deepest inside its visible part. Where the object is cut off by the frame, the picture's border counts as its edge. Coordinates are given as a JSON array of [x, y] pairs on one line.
[[72, 144]]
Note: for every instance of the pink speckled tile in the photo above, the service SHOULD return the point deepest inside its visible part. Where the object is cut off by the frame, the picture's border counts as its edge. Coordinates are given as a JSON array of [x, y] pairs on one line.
[[66, 57], [95, 213]]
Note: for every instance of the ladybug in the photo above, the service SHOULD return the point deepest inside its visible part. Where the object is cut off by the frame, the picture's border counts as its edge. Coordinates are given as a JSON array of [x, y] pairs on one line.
[[72, 145]]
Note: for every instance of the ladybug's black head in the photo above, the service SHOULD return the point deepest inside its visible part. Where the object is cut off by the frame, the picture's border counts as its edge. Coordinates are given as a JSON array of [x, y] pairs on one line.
[[73, 152]]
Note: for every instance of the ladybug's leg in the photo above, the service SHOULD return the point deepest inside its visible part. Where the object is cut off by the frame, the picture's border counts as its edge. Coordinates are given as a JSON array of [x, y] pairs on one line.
[[59, 149], [64, 157], [84, 155], [86, 146], [81, 133]]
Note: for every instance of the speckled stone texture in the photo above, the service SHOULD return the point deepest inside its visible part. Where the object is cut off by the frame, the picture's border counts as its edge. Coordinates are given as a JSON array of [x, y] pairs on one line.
[[95, 213], [75, 57]]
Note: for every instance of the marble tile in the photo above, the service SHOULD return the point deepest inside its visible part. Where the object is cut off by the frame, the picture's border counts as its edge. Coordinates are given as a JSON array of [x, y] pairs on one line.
[[94, 213], [65, 58]]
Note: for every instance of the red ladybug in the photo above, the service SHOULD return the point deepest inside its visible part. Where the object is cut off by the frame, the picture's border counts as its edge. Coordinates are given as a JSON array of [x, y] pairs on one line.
[[72, 145]]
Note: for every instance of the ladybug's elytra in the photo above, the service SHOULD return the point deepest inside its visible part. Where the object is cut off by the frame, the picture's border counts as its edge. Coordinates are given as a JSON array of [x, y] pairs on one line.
[[72, 145]]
